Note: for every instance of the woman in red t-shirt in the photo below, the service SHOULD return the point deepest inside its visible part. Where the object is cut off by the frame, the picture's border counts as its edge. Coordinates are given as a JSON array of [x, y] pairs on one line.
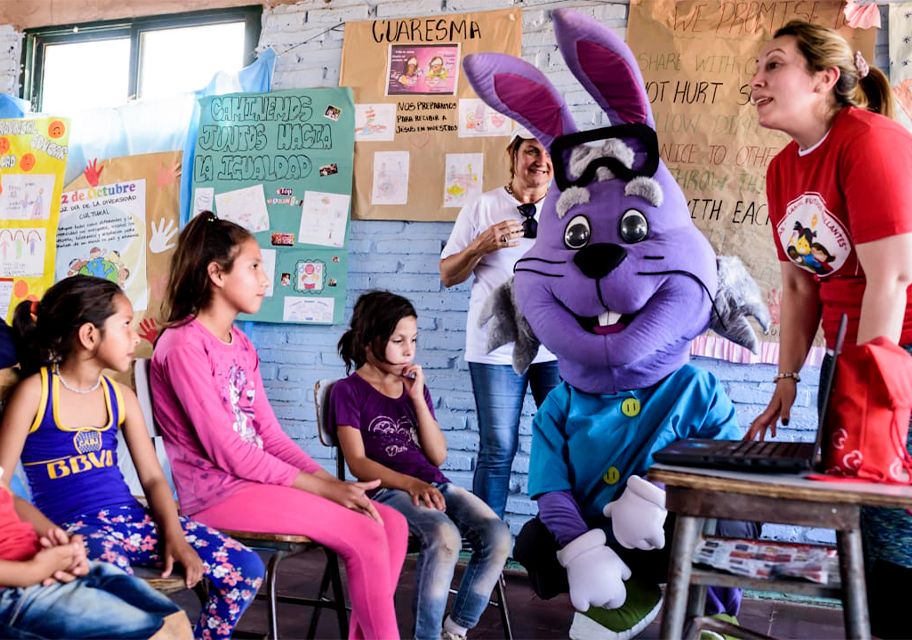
[[840, 203]]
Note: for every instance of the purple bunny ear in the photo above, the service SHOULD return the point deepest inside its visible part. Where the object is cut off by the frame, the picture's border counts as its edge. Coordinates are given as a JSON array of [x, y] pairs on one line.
[[516, 89], [604, 65]]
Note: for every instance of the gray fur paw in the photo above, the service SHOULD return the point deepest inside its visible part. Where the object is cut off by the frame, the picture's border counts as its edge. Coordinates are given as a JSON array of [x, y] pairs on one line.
[[738, 297], [506, 324]]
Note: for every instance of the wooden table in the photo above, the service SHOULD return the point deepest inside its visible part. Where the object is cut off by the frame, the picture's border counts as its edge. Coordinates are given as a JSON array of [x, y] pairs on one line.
[[697, 494]]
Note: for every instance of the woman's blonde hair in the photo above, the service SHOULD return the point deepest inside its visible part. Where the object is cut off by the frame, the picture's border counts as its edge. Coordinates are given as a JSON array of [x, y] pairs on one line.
[[823, 48]]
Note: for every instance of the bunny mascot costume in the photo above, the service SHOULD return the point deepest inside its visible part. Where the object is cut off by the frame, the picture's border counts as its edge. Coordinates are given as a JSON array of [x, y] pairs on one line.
[[617, 284]]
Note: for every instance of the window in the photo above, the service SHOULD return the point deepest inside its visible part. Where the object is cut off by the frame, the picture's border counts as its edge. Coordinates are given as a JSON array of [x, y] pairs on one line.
[[104, 64]]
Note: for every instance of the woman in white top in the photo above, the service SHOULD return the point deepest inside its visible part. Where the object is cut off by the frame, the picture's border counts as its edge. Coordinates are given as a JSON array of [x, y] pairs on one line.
[[490, 235]]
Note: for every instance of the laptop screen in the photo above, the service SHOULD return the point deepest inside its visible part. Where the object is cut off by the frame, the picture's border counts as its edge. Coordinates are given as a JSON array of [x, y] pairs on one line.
[[826, 387]]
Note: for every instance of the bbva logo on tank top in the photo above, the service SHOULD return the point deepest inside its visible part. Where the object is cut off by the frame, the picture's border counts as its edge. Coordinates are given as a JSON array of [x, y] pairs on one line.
[[812, 237], [90, 456]]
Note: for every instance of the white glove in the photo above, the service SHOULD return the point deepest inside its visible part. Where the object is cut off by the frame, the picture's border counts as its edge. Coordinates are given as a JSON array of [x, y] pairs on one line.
[[595, 572], [638, 516]]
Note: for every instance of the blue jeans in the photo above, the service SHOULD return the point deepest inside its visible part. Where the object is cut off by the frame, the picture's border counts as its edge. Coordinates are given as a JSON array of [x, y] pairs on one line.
[[499, 394], [106, 603], [440, 535]]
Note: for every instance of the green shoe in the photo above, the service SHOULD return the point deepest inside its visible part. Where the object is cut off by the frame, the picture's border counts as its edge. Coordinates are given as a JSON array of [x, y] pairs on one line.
[[644, 601], [706, 634]]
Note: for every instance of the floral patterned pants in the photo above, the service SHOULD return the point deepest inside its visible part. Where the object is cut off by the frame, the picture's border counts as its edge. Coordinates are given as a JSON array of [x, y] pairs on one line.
[[127, 536]]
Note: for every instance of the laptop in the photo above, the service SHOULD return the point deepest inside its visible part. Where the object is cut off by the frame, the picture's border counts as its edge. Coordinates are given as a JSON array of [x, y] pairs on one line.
[[753, 455]]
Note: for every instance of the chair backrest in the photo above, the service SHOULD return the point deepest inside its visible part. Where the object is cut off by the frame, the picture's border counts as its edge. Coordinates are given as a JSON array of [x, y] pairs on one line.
[[142, 382], [144, 395], [326, 431]]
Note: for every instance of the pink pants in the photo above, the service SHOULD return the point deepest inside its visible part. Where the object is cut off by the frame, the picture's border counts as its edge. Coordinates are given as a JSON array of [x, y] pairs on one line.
[[372, 553]]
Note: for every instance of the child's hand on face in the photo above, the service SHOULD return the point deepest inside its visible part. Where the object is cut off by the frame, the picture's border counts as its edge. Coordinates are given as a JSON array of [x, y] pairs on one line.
[[413, 378], [426, 494]]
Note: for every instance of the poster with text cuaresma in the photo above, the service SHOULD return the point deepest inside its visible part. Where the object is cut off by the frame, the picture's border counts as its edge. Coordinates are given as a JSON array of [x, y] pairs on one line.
[[280, 165], [425, 144], [33, 155]]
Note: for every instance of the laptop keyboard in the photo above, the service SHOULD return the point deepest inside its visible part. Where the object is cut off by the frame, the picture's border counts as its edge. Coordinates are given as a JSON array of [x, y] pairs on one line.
[[755, 448]]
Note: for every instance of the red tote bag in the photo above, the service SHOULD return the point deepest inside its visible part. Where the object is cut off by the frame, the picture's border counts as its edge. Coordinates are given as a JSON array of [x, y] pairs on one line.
[[868, 415]]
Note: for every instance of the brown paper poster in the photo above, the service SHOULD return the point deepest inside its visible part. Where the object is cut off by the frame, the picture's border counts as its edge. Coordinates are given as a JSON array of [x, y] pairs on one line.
[[120, 221], [424, 142], [697, 59], [901, 60]]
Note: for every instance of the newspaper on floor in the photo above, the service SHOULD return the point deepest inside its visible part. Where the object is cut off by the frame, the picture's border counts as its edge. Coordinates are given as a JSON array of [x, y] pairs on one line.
[[764, 559]]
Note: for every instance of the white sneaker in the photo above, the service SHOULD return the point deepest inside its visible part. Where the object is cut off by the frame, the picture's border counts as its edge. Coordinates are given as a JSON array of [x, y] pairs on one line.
[[449, 635]]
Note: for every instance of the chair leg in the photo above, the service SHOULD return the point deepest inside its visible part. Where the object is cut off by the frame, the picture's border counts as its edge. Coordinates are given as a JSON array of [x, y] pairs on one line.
[[501, 590], [324, 587], [272, 571], [201, 589], [332, 561]]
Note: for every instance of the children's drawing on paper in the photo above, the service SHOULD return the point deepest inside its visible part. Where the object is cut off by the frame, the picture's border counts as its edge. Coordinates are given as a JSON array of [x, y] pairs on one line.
[[203, 198], [268, 265], [375, 121], [309, 276], [246, 207], [100, 263], [25, 197], [478, 120], [6, 295], [391, 176], [323, 218], [22, 252], [298, 309], [463, 178]]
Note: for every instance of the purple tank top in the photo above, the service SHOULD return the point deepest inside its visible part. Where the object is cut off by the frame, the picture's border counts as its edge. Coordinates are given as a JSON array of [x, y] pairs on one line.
[[73, 471]]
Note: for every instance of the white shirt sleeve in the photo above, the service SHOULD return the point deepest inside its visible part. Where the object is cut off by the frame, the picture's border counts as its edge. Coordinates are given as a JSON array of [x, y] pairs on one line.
[[464, 230]]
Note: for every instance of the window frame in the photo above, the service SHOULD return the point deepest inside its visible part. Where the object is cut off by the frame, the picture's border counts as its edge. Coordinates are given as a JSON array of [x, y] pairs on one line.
[[37, 40]]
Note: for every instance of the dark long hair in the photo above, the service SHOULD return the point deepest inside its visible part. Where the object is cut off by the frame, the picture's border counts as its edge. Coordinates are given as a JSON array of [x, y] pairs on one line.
[[374, 319], [46, 332], [206, 239]]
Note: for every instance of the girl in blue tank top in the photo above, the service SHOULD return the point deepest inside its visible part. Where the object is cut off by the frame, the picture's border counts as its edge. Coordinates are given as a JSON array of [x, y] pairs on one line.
[[62, 421]]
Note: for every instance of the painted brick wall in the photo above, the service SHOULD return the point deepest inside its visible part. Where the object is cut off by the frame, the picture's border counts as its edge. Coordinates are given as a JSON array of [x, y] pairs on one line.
[[403, 256]]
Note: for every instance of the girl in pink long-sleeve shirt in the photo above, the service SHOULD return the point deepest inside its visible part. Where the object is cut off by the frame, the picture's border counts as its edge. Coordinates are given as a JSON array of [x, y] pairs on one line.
[[233, 465]]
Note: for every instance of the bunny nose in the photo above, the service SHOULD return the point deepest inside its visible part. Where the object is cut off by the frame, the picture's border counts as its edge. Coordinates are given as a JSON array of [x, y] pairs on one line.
[[598, 260]]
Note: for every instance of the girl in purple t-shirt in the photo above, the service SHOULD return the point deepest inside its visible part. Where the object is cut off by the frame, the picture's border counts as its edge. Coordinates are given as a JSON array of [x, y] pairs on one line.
[[386, 427]]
